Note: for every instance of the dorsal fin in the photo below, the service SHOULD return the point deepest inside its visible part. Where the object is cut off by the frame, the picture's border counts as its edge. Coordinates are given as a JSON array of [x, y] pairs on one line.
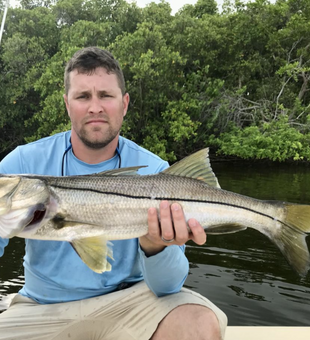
[[195, 166], [130, 171]]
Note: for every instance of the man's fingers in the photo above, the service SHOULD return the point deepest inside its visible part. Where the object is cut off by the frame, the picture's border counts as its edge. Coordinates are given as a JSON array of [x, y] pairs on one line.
[[167, 230], [154, 229], [198, 234], [180, 226], [171, 226]]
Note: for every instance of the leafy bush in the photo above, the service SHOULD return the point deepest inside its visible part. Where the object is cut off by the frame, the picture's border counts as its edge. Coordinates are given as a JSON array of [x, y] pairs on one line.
[[276, 141]]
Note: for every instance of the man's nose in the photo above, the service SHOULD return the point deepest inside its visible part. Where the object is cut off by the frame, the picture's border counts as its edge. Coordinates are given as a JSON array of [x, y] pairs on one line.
[[95, 105]]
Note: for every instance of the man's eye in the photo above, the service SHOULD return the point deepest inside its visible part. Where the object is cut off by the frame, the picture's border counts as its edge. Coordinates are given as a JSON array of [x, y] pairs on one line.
[[82, 96]]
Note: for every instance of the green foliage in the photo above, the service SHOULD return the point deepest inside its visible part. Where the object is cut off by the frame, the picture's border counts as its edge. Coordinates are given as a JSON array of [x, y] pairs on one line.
[[200, 8], [236, 80], [276, 141]]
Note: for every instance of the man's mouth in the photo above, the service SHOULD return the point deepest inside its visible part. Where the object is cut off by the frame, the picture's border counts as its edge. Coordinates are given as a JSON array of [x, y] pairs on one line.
[[96, 121]]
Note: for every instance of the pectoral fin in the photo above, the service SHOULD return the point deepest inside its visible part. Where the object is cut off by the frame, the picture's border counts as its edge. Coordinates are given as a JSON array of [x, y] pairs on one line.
[[94, 252]]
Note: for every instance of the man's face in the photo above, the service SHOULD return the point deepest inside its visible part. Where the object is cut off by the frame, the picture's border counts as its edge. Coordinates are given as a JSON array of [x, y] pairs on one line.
[[96, 107]]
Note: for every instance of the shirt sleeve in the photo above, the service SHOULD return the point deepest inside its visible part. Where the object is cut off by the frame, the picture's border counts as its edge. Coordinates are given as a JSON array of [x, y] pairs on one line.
[[11, 164], [3, 243], [165, 272]]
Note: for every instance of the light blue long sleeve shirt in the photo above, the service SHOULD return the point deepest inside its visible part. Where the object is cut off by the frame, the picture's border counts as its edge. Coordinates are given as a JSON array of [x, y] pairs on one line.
[[53, 271]]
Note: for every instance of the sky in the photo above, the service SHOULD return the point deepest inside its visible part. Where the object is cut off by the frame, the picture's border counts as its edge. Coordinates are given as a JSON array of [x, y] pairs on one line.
[[175, 4]]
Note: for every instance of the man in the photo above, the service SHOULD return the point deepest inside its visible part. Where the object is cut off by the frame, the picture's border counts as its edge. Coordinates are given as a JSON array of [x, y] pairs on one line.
[[141, 297]]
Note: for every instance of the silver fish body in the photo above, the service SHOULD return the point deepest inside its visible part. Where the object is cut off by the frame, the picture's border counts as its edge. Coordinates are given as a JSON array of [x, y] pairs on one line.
[[117, 206], [89, 210]]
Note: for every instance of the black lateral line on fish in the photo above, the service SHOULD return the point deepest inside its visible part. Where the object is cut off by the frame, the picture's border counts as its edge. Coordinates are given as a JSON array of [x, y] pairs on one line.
[[168, 198]]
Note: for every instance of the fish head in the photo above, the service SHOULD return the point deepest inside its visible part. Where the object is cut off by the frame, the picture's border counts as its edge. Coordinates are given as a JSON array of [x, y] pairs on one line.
[[23, 204], [7, 188]]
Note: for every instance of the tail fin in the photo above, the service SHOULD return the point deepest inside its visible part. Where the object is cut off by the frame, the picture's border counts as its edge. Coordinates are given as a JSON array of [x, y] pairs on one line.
[[291, 240]]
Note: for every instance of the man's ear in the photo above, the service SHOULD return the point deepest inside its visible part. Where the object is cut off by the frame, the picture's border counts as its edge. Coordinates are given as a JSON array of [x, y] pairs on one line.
[[65, 97], [126, 100]]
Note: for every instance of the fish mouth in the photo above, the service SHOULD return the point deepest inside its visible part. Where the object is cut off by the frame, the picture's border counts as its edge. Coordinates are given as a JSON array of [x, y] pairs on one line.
[[37, 217]]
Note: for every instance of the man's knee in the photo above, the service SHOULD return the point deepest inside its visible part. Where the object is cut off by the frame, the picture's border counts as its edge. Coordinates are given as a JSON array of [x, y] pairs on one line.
[[189, 321], [203, 319]]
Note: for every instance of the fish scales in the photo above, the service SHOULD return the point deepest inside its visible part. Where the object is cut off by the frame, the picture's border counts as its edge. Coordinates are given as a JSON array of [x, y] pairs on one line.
[[90, 210], [122, 201]]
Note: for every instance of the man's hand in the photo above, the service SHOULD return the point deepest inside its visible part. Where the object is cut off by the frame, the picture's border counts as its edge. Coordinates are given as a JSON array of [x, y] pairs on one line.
[[171, 229]]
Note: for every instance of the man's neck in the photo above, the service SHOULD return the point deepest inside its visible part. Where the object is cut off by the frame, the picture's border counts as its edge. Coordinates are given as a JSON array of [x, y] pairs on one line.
[[90, 155]]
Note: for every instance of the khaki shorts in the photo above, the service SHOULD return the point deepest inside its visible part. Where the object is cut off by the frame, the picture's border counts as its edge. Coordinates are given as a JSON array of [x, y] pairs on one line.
[[132, 313]]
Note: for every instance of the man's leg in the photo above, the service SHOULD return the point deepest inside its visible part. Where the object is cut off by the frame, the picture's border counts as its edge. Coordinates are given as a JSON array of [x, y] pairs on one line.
[[143, 316], [26, 319], [129, 314], [189, 322]]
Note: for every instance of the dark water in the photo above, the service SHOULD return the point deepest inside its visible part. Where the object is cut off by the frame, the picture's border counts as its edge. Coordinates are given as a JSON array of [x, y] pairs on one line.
[[243, 273]]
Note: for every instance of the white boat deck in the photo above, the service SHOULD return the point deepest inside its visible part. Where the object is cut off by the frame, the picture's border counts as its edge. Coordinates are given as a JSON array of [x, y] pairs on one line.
[[267, 333]]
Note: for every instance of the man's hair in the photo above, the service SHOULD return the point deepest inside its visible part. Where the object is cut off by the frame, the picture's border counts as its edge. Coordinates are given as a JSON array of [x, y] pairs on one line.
[[88, 59]]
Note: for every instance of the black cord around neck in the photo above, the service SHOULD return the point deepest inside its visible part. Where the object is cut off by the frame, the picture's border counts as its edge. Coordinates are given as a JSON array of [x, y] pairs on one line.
[[70, 147]]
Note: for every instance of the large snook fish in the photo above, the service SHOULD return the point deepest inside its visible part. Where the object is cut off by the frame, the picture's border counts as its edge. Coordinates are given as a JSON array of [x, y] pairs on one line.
[[87, 211]]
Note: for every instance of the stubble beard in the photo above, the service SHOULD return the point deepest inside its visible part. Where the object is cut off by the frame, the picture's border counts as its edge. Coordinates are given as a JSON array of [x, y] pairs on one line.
[[98, 143]]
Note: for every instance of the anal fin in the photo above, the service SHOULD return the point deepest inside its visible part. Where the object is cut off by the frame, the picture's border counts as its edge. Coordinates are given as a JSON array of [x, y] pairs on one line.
[[224, 229]]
